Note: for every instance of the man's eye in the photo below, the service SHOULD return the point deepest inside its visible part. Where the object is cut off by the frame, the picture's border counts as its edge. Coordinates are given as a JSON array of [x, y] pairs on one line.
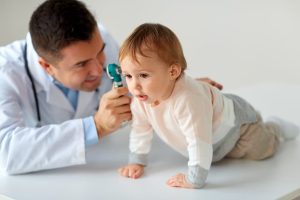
[[80, 65]]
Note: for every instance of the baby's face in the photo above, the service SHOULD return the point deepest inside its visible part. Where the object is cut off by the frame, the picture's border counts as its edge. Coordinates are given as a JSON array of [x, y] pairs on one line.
[[149, 80]]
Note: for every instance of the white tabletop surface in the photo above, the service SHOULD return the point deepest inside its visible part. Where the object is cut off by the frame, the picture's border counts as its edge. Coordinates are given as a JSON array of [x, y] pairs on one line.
[[230, 179]]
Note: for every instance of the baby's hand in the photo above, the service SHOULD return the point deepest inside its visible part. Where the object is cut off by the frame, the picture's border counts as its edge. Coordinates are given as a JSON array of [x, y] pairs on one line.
[[179, 180], [131, 171]]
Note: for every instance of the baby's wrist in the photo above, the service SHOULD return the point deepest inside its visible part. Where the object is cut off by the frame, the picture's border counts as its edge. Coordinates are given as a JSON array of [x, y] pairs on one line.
[[197, 176]]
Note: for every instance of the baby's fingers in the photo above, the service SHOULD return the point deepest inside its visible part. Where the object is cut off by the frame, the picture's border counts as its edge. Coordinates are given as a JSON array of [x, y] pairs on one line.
[[173, 182], [123, 171], [137, 173], [179, 180]]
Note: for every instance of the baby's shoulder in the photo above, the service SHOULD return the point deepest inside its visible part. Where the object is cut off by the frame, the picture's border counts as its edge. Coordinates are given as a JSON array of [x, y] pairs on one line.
[[187, 87]]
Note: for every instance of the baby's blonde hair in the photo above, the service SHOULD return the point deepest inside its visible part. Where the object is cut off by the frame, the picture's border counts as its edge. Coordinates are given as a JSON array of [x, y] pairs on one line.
[[155, 38]]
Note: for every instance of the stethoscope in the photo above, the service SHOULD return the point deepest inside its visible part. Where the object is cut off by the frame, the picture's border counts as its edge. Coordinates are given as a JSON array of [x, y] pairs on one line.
[[32, 84]]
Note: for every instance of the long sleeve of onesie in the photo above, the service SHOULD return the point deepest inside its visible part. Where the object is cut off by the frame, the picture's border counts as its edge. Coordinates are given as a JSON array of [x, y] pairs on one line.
[[197, 130], [140, 136]]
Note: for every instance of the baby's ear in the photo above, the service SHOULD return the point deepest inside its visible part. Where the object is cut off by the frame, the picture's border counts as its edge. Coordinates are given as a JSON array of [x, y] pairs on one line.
[[174, 71]]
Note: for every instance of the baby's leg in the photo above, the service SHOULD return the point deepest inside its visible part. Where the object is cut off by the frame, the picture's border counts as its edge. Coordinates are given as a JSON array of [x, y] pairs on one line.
[[258, 141]]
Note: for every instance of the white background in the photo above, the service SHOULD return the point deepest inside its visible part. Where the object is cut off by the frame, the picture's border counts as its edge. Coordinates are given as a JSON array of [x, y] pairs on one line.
[[236, 42], [241, 43]]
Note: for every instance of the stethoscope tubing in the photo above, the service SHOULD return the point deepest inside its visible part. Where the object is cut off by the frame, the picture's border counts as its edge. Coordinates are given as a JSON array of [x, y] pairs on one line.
[[32, 84]]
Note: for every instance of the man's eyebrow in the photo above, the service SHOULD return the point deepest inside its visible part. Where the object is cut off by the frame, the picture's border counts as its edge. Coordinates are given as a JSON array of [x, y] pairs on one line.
[[102, 48]]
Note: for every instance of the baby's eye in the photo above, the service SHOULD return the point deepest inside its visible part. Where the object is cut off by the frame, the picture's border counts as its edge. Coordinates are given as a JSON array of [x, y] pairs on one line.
[[127, 76], [144, 75]]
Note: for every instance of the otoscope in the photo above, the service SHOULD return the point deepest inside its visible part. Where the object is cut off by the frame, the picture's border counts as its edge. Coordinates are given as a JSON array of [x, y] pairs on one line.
[[114, 73]]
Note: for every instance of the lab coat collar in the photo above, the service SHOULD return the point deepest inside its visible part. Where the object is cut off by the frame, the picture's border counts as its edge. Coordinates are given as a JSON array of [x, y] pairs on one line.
[[42, 80], [57, 98], [39, 75]]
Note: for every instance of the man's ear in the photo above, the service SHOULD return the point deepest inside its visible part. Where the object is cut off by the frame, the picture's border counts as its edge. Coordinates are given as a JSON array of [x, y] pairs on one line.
[[46, 66], [174, 71]]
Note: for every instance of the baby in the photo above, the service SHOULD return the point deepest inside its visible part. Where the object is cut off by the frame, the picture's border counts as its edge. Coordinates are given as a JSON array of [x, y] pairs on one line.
[[193, 118]]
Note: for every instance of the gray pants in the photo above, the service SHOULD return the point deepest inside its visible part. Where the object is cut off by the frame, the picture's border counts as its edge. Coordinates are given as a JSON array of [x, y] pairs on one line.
[[258, 140]]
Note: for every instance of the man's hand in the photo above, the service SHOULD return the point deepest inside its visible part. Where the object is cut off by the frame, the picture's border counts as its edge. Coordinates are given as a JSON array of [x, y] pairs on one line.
[[132, 171], [179, 180], [114, 109], [211, 82]]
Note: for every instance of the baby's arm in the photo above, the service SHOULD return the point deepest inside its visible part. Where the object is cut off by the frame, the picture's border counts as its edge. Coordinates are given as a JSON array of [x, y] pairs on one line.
[[139, 144], [132, 171], [195, 121]]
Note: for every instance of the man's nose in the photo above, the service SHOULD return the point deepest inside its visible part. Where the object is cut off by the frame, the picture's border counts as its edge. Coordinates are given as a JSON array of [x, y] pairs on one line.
[[97, 67]]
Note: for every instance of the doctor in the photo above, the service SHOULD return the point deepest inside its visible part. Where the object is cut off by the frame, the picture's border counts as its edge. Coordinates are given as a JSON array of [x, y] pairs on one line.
[[55, 98]]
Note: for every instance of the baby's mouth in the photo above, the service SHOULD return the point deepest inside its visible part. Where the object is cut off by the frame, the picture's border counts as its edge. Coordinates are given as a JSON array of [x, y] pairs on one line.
[[142, 97]]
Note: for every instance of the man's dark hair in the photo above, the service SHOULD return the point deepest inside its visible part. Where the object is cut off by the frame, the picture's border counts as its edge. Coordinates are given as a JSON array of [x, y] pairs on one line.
[[56, 24]]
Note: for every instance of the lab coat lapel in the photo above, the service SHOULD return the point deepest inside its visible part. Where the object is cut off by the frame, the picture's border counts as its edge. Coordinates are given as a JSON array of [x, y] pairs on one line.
[[85, 100], [57, 98]]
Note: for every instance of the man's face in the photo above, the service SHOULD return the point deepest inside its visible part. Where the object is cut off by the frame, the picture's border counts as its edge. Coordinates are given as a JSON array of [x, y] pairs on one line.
[[81, 66]]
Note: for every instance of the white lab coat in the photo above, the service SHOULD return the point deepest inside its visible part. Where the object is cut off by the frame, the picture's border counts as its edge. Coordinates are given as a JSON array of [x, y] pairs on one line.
[[59, 142]]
